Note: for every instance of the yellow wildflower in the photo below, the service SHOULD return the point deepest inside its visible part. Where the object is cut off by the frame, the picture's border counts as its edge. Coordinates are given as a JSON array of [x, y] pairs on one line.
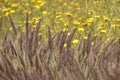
[[65, 29], [58, 13], [5, 9], [7, 13], [75, 41], [68, 34], [58, 16], [81, 29], [42, 26], [23, 29], [42, 3], [27, 4], [103, 31], [47, 21], [35, 20], [65, 45], [33, 26], [107, 40], [85, 37], [44, 13], [77, 8], [10, 29], [75, 22], [99, 27], [37, 6], [64, 4], [91, 12], [113, 26], [65, 23], [92, 43], [95, 35], [26, 11], [14, 5], [105, 18], [97, 17], [39, 1], [68, 14], [30, 21], [12, 11], [39, 34], [33, 1], [61, 19], [90, 20]]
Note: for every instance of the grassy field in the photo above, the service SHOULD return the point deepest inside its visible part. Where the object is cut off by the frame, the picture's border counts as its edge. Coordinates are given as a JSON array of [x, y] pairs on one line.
[[59, 40]]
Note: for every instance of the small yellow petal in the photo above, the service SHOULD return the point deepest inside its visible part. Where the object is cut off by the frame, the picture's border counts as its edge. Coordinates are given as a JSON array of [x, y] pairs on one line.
[[65, 45], [103, 31], [85, 37], [75, 41]]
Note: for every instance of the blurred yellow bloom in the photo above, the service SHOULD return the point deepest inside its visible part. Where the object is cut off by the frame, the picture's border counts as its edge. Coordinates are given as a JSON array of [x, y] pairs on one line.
[[37, 6], [33, 1], [12, 11], [44, 13], [65, 29], [97, 17], [95, 2], [58, 16], [91, 12], [15, 5], [61, 19], [10, 29], [5, 9], [65, 45], [75, 41], [113, 26], [65, 23], [78, 9], [107, 40], [33, 26], [92, 43], [99, 27], [26, 11], [90, 20], [105, 18], [30, 21], [47, 21], [103, 31], [7, 13], [35, 20], [118, 25], [84, 24], [95, 35], [68, 34], [42, 27], [23, 29], [75, 22], [39, 34], [58, 13], [39, 1], [116, 19], [81, 29], [27, 4], [42, 3], [85, 37], [64, 4], [68, 14]]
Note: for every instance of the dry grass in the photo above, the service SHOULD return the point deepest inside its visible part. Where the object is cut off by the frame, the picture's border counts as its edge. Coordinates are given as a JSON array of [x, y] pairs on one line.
[[25, 56]]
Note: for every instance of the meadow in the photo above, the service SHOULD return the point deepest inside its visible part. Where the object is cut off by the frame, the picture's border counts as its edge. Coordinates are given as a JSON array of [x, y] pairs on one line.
[[59, 40]]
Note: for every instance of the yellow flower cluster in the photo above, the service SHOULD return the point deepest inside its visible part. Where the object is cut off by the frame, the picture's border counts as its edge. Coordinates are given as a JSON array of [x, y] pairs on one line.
[[97, 16]]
